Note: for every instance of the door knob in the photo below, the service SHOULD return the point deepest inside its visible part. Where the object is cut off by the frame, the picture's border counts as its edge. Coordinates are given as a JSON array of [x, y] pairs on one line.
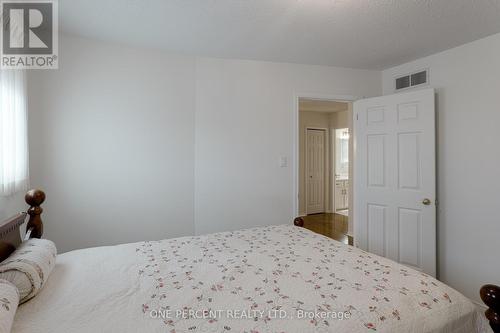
[[426, 202]]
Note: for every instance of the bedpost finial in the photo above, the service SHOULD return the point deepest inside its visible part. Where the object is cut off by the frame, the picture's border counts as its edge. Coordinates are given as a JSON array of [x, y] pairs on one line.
[[490, 294], [34, 198], [299, 222], [34, 228]]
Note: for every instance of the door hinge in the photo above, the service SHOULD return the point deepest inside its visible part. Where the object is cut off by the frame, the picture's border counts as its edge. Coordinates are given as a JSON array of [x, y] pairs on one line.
[[357, 116]]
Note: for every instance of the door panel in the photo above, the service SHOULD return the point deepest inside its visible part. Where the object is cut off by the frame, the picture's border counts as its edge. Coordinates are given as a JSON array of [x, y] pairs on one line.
[[409, 161], [315, 171], [395, 172], [376, 160], [376, 229], [409, 237]]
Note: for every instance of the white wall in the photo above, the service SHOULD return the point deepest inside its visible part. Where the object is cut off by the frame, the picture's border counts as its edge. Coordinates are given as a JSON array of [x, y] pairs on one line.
[[113, 133], [340, 119], [245, 120], [112, 144], [468, 117]]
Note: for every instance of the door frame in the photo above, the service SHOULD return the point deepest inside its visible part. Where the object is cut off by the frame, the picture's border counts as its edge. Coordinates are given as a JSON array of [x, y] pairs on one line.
[[326, 165], [308, 95]]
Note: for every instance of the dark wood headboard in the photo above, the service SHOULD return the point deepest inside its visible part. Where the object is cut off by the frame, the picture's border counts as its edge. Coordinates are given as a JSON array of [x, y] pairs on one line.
[[10, 236]]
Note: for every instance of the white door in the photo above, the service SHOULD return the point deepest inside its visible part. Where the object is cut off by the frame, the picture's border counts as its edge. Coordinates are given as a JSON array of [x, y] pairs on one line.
[[315, 171], [395, 178]]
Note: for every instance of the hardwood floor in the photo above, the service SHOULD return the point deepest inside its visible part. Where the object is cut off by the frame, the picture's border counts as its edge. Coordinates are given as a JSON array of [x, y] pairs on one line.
[[330, 225]]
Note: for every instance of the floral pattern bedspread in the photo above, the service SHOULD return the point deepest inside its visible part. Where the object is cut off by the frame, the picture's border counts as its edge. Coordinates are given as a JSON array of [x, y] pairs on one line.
[[261, 280], [288, 279]]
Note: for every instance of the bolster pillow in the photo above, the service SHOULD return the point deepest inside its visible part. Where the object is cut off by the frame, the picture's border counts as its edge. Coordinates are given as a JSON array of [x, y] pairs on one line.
[[29, 266], [9, 299]]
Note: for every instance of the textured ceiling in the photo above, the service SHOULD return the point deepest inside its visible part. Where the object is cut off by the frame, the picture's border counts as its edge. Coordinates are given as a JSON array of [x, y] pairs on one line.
[[371, 34], [316, 105]]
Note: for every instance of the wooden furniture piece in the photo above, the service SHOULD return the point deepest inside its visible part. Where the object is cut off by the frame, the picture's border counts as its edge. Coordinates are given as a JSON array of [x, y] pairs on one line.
[[10, 236], [490, 294], [298, 221]]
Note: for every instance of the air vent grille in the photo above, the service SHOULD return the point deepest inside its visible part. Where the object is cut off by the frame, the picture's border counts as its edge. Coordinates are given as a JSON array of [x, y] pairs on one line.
[[412, 80], [419, 78], [403, 82]]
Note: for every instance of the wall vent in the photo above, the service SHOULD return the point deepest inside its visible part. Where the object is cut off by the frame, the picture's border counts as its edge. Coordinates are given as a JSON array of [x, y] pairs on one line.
[[412, 80], [403, 82]]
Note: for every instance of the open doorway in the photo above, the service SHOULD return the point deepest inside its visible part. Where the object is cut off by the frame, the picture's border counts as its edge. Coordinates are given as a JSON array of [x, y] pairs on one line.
[[324, 166], [340, 143]]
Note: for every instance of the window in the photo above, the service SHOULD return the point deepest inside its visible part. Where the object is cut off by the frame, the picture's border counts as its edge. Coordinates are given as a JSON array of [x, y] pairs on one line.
[[13, 132]]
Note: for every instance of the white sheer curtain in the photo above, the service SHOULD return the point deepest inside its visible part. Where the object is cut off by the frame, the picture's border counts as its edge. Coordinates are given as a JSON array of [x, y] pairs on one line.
[[13, 132]]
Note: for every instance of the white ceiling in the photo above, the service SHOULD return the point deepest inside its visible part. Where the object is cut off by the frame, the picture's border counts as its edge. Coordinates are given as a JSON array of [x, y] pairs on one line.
[[371, 34], [316, 105]]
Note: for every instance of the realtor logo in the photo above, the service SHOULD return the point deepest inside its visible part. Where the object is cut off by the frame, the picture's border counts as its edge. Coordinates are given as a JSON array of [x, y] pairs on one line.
[[29, 34]]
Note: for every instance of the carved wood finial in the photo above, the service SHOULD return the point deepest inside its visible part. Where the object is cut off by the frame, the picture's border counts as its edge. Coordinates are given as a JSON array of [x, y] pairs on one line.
[[299, 222], [490, 294], [35, 198]]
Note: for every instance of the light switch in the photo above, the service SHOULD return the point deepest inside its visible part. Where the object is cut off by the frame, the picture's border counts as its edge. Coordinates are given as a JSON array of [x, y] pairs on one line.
[[283, 162]]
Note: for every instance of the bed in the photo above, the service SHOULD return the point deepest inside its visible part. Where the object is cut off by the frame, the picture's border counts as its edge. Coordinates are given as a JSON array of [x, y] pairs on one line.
[[269, 279]]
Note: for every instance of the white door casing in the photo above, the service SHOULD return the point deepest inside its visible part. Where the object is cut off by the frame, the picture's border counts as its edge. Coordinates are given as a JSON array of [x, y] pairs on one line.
[[395, 174], [315, 170]]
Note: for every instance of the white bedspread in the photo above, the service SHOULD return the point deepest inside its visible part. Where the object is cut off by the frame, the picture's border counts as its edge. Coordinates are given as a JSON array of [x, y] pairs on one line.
[[269, 279]]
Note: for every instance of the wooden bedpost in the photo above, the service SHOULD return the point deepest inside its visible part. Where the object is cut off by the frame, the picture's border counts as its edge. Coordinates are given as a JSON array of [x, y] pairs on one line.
[[34, 228], [490, 294], [299, 222], [10, 236]]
